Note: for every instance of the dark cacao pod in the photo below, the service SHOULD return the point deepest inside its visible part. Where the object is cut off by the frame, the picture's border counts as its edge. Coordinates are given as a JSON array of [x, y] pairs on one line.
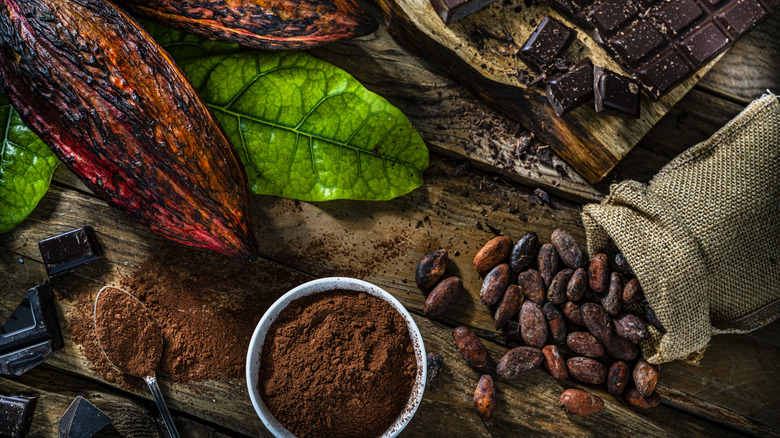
[[262, 24], [117, 112]]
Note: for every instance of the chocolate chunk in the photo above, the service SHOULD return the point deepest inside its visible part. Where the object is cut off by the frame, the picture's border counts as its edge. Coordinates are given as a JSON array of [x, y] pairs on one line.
[[703, 43], [31, 334], [636, 42], [16, 415], [547, 42], [663, 72], [608, 15], [616, 95], [66, 252], [678, 15], [569, 90], [741, 16], [451, 11], [82, 419]]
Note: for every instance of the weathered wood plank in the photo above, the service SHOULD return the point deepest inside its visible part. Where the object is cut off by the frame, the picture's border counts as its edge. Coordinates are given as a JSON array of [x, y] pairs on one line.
[[379, 242]]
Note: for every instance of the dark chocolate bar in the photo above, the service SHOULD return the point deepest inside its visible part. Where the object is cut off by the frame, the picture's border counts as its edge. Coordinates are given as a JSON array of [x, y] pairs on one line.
[[665, 42], [547, 42], [31, 334], [68, 251], [451, 11], [82, 419], [615, 94], [568, 90], [16, 415]]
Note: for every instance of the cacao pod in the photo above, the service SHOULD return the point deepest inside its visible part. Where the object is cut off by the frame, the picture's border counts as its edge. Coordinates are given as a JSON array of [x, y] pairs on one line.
[[262, 24], [117, 112]]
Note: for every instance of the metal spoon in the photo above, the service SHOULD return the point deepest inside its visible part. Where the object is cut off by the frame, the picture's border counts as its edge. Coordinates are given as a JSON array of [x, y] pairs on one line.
[[148, 373]]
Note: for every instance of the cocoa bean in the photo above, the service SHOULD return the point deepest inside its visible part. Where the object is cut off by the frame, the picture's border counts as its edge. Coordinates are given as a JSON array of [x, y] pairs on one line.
[[494, 285], [524, 252], [431, 269], [444, 295], [512, 332], [510, 305], [579, 402], [584, 344], [651, 317], [573, 313], [493, 253], [587, 370], [519, 361], [613, 300], [636, 399], [621, 264], [569, 251], [631, 327], [617, 378], [598, 273], [556, 293], [470, 347], [597, 321], [577, 285], [532, 285], [548, 263], [434, 362], [620, 348], [632, 292], [554, 363], [645, 377], [533, 326], [555, 322], [485, 397]]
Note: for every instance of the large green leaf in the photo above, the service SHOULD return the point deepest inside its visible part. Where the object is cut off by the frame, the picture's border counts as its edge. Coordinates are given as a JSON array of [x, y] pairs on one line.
[[303, 128], [26, 167]]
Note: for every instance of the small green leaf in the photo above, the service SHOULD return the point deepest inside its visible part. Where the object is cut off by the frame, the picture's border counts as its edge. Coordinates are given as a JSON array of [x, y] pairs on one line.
[[26, 167], [303, 128]]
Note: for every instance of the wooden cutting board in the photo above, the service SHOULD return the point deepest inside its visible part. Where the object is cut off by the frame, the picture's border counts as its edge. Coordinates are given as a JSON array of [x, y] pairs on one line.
[[480, 51]]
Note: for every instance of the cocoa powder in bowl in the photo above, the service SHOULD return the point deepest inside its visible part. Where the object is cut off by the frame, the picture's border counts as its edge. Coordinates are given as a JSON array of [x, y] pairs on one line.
[[338, 363]]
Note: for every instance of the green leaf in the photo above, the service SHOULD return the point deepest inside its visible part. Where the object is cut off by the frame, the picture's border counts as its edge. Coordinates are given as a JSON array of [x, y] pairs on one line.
[[183, 45], [303, 128], [26, 167]]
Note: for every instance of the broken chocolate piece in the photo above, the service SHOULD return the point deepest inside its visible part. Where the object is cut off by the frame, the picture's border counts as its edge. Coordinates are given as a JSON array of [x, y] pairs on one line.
[[16, 415], [569, 90], [451, 11], [31, 334], [66, 252], [547, 42], [82, 420], [616, 95]]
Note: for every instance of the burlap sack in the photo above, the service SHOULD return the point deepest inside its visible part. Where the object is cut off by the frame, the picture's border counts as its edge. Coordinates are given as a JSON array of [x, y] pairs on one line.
[[703, 237]]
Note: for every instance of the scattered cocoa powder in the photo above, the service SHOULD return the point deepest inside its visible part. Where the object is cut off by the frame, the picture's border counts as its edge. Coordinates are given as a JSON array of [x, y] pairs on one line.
[[203, 305], [339, 363], [128, 333]]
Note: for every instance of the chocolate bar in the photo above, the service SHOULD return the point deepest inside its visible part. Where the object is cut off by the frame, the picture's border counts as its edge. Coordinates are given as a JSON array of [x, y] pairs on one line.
[[664, 42], [547, 42], [451, 11], [82, 419], [31, 334], [16, 415], [68, 251], [616, 95], [568, 90]]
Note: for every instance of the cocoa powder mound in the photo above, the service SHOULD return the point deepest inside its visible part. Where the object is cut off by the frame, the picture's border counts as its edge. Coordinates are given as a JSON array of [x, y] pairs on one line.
[[128, 333], [338, 363], [202, 304]]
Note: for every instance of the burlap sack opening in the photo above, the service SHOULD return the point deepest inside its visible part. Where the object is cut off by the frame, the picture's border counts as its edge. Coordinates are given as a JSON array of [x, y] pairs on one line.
[[703, 237]]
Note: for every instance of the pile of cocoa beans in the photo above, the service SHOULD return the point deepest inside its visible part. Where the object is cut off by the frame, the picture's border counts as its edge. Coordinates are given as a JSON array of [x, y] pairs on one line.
[[581, 319]]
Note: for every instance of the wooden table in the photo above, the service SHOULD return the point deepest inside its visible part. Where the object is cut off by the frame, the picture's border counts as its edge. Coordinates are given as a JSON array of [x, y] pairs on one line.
[[734, 391]]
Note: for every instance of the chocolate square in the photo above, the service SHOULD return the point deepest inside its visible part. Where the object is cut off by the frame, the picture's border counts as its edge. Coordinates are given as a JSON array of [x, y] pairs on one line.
[[571, 89], [547, 42], [615, 94], [68, 251]]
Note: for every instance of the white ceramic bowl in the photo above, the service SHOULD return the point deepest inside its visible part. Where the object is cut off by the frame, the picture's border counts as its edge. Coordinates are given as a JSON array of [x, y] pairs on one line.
[[323, 285]]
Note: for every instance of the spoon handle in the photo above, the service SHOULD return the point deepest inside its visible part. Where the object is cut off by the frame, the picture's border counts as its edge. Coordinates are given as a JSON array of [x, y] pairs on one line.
[[161, 406]]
